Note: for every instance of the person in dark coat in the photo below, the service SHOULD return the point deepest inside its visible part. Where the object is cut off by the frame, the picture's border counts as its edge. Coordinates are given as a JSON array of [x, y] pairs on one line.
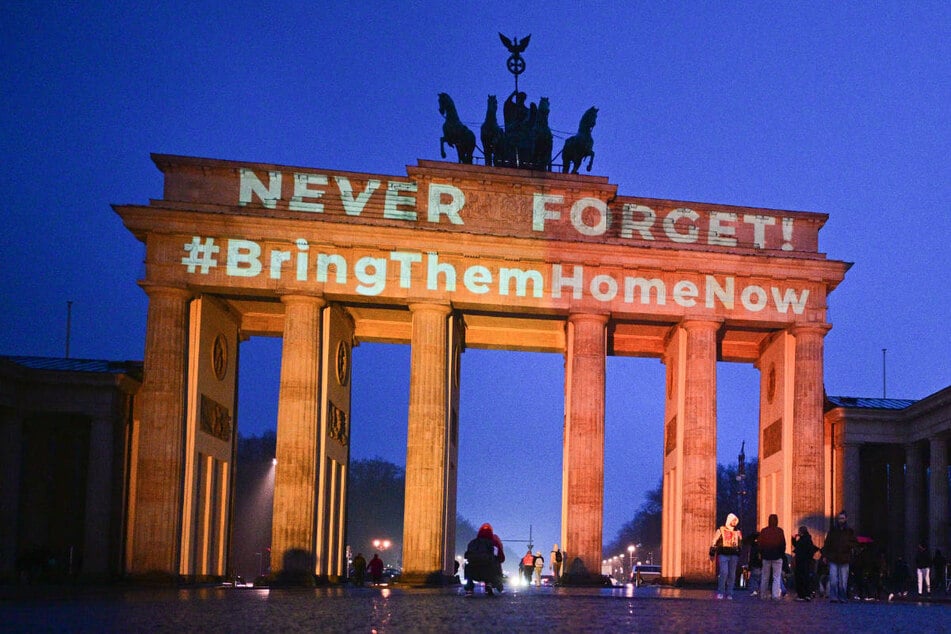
[[804, 551], [484, 556], [837, 550], [772, 545], [940, 565], [359, 569], [898, 580]]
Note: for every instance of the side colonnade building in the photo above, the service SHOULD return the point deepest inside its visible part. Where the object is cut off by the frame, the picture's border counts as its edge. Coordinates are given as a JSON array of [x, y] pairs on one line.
[[888, 465], [447, 258]]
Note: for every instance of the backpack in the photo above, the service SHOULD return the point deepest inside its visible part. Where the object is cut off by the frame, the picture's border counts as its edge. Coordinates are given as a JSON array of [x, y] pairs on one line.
[[480, 550], [558, 556]]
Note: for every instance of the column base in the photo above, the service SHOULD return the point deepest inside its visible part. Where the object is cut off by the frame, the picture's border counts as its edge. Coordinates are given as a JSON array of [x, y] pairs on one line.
[[585, 580], [435, 578]]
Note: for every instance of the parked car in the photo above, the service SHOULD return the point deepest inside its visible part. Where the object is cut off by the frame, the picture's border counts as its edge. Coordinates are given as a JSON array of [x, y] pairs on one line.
[[645, 574]]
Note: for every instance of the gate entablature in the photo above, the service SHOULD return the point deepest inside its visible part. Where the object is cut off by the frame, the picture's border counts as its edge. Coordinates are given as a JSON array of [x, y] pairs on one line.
[[547, 245]]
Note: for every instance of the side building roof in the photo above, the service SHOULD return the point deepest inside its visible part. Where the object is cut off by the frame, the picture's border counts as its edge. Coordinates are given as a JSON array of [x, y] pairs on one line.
[[57, 364], [856, 402]]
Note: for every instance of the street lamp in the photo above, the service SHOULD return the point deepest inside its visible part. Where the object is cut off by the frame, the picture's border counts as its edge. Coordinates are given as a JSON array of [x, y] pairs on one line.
[[630, 552], [381, 544]]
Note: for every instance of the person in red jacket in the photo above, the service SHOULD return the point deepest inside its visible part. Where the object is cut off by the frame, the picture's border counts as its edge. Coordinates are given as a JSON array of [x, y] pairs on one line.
[[484, 556], [376, 568]]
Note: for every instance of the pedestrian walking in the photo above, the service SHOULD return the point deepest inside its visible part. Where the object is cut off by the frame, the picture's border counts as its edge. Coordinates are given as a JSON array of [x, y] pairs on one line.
[[376, 569], [359, 569], [539, 565], [923, 564], [527, 566], [555, 562]]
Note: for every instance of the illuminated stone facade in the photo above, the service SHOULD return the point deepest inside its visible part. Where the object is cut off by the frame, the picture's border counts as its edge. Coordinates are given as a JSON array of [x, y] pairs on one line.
[[449, 257]]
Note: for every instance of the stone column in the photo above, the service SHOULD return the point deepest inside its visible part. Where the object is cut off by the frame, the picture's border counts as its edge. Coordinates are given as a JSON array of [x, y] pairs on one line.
[[852, 484], [896, 500], [807, 482], [294, 530], [156, 501], [699, 448], [913, 484], [938, 496], [11, 443], [427, 468], [97, 556], [583, 470]]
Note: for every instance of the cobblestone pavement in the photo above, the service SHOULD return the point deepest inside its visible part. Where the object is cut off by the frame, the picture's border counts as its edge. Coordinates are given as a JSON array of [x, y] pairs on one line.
[[398, 609]]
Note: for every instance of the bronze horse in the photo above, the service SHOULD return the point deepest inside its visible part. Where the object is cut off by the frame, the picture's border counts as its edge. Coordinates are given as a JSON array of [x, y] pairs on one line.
[[454, 132], [580, 145], [493, 138], [541, 138]]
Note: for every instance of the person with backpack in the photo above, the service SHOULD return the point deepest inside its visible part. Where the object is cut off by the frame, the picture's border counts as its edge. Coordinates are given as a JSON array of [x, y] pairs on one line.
[[539, 565], [555, 563], [484, 556]]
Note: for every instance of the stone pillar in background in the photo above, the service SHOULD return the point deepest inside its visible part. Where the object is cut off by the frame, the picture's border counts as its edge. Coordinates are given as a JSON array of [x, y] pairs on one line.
[[938, 497], [583, 465], [155, 513], [11, 438], [852, 483], [913, 484], [427, 460], [99, 510], [896, 500], [293, 533]]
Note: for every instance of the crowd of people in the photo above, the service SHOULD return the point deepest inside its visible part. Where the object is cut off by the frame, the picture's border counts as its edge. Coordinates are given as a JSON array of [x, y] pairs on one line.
[[844, 568]]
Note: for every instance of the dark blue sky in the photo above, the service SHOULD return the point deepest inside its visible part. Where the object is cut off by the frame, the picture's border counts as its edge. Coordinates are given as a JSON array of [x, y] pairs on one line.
[[839, 108]]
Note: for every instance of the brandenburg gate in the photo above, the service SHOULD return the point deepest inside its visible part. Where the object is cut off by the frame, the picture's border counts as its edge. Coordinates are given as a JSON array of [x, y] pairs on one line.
[[448, 257]]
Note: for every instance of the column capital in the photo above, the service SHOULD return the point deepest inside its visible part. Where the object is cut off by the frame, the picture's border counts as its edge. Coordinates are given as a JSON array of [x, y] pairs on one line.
[[303, 298], [809, 328], [444, 309], [153, 289], [692, 323], [599, 317]]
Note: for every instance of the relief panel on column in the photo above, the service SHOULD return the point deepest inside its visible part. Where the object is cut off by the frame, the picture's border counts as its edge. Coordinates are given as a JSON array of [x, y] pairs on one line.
[[337, 351], [211, 431], [774, 376]]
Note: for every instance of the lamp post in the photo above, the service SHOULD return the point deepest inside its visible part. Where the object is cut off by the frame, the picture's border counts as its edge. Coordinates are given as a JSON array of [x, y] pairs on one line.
[[741, 479], [630, 552]]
